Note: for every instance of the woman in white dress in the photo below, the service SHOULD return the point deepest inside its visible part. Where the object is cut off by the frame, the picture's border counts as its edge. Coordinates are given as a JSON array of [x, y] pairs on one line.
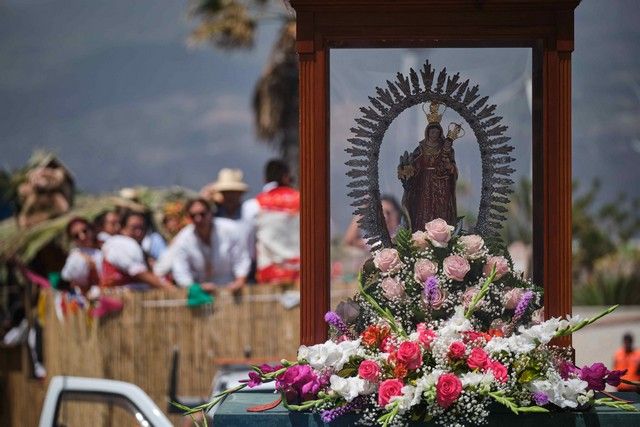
[[83, 267]]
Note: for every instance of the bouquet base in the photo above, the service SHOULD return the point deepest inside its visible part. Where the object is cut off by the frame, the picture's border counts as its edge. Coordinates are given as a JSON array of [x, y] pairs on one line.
[[233, 412]]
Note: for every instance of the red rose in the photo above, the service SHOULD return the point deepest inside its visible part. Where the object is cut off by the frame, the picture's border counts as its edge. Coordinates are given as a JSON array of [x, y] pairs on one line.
[[369, 370], [478, 359], [457, 349], [410, 354], [388, 389], [448, 389], [499, 371]]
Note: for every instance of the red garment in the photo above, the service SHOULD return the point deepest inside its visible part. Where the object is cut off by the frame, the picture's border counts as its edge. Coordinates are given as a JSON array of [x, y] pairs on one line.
[[112, 277], [283, 199], [277, 259], [631, 362]]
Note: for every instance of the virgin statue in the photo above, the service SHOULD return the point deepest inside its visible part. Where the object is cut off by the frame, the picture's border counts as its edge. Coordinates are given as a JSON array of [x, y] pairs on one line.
[[429, 174]]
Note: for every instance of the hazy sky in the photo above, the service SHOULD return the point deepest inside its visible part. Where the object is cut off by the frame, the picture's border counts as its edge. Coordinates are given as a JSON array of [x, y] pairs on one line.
[[111, 87]]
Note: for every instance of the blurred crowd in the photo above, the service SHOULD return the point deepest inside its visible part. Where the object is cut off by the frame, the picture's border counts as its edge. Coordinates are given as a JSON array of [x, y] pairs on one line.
[[214, 241]]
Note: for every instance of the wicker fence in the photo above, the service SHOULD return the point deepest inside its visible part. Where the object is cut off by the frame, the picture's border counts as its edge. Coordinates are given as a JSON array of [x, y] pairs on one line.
[[136, 345]]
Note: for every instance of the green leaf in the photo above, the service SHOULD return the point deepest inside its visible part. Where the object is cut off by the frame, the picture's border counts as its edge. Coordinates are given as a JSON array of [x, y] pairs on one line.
[[528, 375], [347, 372], [404, 243]]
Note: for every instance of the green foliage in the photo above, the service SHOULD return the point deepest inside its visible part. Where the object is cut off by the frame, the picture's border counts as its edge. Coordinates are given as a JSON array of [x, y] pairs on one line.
[[404, 244], [509, 402], [615, 279], [606, 264], [618, 404]]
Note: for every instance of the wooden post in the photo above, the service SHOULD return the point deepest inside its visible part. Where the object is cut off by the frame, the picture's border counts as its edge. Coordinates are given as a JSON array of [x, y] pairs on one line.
[[314, 190]]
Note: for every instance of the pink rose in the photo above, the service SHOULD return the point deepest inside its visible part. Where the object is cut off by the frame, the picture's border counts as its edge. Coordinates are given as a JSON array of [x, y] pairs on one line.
[[537, 316], [457, 350], [455, 267], [424, 269], [478, 359], [420, 239], [438, 297], [511, 298], [388, 389], [410, 354], [448, 390], [387, 260], [369, 370], [392, 288], [438, 232], [468, 296], [472, 246], [499, 371], [501, 264], [425, 335]]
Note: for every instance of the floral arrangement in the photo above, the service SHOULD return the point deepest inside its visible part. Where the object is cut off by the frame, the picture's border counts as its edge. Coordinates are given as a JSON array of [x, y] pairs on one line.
[[440, 330]]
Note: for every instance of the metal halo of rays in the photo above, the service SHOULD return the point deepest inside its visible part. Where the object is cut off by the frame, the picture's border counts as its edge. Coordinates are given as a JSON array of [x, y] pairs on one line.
[[406, 92]]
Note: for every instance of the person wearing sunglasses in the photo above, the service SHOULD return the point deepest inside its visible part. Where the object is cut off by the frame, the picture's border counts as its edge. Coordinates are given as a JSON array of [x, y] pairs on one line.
[[211, 252], [83, 266]]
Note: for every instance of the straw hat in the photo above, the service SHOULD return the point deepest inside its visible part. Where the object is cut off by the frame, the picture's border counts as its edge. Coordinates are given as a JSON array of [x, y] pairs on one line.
[[230, 180]]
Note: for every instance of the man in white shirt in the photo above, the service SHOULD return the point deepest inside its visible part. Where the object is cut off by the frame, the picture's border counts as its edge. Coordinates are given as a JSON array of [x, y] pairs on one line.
[[210, 251]]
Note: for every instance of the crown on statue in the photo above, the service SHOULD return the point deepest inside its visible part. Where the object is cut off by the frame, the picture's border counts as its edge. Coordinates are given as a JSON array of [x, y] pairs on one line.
[[436, 110], [455, 131]]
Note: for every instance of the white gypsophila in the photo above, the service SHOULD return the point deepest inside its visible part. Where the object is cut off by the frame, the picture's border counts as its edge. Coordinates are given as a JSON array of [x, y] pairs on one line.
[[414, 336], [474, 379], [350, 388], [329, 354]]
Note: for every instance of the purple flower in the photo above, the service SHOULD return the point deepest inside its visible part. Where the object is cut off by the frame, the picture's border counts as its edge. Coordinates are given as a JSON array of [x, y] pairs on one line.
[[299, 383], [524, 302], [430, 288], [331, 415], [267, 369], [567, 369], [254, 379], [597, 375], [594, 375], [334, 320], [540, 398], [613, 378]]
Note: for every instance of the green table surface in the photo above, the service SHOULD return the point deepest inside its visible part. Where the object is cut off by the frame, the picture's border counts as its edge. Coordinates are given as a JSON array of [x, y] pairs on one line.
[[233, 412]]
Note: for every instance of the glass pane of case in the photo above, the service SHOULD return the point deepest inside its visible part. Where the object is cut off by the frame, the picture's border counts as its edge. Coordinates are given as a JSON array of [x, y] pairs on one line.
[[504, 75]]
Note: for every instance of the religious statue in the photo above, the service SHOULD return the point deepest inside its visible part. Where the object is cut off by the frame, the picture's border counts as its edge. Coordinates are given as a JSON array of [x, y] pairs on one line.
[[429, 174]]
